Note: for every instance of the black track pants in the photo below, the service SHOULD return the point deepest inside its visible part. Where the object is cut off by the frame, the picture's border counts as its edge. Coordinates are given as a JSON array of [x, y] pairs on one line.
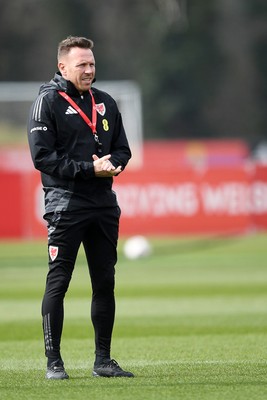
[[98, 231]]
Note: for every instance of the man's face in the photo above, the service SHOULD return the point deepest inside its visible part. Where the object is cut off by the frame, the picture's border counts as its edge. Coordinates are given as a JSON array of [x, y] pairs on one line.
[[78, 66]]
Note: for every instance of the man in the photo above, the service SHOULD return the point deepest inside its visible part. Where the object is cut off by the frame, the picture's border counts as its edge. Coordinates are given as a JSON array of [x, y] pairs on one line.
[[78, 142]]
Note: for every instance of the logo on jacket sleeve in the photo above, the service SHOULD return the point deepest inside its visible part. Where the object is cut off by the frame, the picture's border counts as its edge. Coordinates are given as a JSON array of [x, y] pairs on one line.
[[53, 252], [101, 108]]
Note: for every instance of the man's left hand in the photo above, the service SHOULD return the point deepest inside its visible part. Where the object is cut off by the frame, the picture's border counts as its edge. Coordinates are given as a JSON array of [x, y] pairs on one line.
[[104, 168]]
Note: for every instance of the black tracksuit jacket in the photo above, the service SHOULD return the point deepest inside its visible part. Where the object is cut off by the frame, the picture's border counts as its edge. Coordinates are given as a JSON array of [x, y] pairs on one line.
[[62, 145]]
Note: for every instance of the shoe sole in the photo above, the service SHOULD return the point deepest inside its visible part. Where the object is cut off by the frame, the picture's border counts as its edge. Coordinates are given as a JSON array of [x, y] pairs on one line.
[[54, 377], [96, 375]]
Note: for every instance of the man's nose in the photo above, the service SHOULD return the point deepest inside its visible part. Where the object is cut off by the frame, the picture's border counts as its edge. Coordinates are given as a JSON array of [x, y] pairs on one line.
[[88, 69]]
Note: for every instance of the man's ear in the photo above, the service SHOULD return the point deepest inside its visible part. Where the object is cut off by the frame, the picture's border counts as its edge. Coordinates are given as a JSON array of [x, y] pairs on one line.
[[62, 69]]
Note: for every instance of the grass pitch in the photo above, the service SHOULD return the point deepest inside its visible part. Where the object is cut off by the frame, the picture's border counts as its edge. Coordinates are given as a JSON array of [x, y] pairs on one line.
[[191, 323]]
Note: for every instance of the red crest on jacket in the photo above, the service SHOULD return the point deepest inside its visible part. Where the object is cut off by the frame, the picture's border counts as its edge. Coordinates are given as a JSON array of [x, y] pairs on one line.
[[101, 108]]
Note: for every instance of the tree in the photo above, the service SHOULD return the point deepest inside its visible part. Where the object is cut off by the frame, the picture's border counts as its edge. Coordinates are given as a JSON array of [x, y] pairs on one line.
[[201, 65]]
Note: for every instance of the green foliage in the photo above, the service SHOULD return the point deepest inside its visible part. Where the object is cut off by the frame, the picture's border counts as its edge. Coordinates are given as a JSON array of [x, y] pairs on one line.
[[191, 323], [193, 69]]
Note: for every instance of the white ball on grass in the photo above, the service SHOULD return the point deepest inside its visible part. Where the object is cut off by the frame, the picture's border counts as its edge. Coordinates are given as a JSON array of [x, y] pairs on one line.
[[136, 247]]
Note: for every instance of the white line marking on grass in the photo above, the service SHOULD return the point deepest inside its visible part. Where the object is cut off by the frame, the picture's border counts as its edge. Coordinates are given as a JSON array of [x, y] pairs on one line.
[[144, 363], [33, 365]]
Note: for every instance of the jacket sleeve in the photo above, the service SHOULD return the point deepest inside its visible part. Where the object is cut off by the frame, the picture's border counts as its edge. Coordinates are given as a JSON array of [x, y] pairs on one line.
[[120, 150], [42, 141]]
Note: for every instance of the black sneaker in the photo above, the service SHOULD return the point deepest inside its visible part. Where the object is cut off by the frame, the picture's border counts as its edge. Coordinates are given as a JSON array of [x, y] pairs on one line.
[[56, 370], [111, 369]]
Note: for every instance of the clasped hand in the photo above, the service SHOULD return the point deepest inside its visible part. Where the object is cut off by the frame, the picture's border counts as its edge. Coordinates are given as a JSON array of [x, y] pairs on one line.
[[103, 167]]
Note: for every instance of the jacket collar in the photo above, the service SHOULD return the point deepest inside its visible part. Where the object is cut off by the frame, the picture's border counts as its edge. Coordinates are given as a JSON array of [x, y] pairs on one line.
[[67, 86]]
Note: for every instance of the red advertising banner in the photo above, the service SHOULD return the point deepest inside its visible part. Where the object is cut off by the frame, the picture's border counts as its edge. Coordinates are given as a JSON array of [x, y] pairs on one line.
[[259, 197], [214, 201], [11, 205], [154, 200]]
